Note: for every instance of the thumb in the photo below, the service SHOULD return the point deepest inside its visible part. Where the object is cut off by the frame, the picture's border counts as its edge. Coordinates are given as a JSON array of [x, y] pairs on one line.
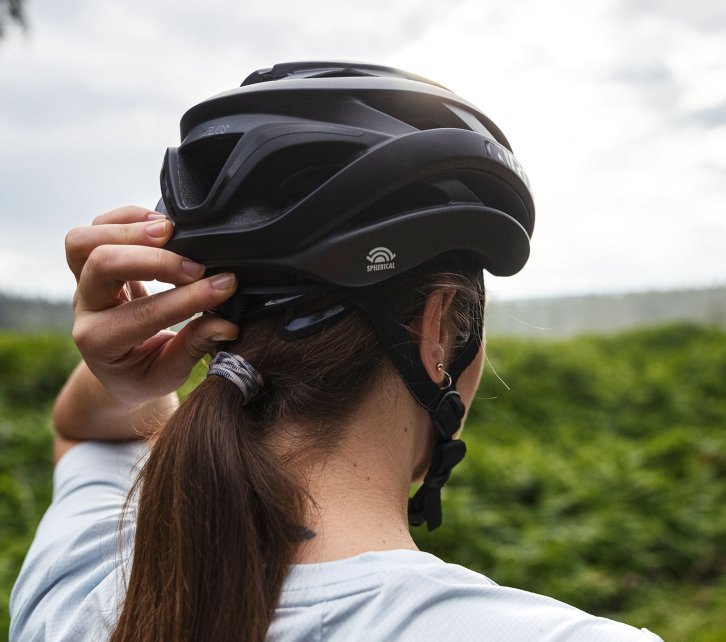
[[197, 338]]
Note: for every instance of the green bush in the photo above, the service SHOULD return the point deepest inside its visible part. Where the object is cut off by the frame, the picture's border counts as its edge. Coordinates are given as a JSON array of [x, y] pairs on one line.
[[32, 371], [34, 367], [598, 477]]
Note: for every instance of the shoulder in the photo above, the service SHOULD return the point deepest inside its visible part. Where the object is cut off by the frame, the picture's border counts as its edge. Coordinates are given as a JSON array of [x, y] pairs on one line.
[[436, 600], [409, 595]]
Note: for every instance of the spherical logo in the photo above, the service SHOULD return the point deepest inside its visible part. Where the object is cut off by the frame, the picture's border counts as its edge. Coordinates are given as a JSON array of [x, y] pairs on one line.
[[380, 258]]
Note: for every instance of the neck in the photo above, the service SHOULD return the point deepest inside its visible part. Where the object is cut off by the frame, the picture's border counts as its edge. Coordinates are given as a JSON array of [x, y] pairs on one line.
[[359, 492]]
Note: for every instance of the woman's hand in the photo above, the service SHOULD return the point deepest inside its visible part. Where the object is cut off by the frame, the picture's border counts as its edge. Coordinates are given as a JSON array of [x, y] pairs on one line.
[[131, 361]]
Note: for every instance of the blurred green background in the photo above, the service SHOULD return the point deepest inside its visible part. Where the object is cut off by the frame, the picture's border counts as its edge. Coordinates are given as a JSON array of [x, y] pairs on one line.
[[597, 478]]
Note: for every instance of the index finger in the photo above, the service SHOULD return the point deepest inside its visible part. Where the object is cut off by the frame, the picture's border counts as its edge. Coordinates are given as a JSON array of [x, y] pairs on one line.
[[132, 323]]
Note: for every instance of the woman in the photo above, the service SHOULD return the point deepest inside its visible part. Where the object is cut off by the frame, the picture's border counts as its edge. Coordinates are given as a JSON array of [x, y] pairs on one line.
[[336, 218]]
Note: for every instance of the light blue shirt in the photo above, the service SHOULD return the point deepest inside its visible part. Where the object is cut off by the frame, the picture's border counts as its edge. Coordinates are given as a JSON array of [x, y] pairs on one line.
[[71, 583]]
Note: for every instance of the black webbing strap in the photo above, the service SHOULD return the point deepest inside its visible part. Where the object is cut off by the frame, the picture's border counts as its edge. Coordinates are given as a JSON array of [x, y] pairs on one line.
[[425, 505], [397, 341], [444, 406]]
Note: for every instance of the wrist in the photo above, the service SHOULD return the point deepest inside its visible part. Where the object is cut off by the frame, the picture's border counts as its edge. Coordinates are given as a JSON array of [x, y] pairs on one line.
[[86, 409]]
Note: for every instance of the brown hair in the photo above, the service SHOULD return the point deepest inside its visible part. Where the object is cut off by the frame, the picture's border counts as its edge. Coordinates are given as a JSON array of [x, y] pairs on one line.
[[221, 511]]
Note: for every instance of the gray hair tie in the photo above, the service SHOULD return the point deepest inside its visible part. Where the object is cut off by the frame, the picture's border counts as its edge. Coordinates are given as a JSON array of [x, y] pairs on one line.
[[239, 371]]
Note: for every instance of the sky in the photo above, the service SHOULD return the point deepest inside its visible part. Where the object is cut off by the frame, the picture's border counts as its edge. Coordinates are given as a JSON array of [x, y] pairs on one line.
[[615, 108]]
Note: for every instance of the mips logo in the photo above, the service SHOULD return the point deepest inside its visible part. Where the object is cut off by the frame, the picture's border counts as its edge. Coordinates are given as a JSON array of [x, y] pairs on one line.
[[380, 258]]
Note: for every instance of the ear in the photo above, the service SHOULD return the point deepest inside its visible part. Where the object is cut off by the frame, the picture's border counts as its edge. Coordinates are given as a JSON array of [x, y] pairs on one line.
[[434, 332]]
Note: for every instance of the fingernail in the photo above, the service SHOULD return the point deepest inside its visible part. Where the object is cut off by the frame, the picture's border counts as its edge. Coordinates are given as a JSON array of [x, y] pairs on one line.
[[154, 216], [223, 281], [192, 269], [157, 229], [219, 337]]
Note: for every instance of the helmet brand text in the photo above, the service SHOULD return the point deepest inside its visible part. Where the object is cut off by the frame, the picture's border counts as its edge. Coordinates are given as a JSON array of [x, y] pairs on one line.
[[498, 152], [380, 258], [214, 130]]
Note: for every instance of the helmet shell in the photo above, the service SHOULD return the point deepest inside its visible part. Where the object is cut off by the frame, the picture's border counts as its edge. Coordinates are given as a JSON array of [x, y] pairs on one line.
[[346, 174]]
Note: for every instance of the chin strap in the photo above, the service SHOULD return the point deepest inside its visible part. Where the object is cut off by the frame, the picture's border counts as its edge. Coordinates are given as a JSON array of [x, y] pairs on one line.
[[425, 505], [445, 407]]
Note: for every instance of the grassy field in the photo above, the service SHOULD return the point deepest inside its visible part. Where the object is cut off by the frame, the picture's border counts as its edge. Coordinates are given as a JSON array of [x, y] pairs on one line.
[[597, 474]]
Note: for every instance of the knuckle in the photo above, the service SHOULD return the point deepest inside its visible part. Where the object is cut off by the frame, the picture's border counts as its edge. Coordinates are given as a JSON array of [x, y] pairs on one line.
[[126, 236], [81, 335], [143, 312], [195, 349], [100, 257], [163, 262]]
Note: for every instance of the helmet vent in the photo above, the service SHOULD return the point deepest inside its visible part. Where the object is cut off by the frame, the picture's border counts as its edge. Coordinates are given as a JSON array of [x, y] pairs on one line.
[[301, 183], [342, 73], [465, 187], [286, 177], [425, 114], [410, 198], [493, 192], [199, 165]]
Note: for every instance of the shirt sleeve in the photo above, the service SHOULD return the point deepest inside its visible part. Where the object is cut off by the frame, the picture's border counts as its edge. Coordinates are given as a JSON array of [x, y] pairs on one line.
[[80, 546]]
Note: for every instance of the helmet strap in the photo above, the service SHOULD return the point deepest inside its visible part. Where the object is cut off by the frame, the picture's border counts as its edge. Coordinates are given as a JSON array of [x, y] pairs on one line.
[[445, 407]]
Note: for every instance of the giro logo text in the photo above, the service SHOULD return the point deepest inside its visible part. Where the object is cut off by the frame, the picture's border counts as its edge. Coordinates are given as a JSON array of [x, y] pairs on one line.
[[215, 130], [380, 258]]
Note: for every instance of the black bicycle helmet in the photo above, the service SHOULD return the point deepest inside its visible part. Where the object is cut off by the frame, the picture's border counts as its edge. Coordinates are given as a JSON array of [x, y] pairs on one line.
[[337, 177]]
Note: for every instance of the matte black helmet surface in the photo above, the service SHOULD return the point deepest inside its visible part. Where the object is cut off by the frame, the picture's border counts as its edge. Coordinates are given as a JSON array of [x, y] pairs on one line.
[[345, 173], [329, 179]]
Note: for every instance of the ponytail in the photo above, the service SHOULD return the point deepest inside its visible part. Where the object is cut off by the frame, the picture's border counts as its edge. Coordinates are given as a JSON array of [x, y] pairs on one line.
[[219, 520], [221, 510]]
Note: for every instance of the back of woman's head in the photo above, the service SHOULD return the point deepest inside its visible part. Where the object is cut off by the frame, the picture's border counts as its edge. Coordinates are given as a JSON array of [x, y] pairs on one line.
[[223, 504], [344, 196]]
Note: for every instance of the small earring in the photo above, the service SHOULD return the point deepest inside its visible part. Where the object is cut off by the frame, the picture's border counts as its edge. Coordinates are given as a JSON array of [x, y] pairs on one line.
[[446, 383]]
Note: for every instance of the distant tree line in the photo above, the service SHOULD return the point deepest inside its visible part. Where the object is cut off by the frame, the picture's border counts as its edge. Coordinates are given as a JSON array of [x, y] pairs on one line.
[[605, 313], [34, 315], [542, 318]]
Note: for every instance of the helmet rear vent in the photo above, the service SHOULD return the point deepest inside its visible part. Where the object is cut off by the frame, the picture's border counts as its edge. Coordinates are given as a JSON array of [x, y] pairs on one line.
[[416, 196], [495, 193], [199, 165]]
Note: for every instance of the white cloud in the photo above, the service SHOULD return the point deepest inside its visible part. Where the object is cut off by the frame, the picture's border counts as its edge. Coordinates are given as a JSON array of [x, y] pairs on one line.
[[616, 109]]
